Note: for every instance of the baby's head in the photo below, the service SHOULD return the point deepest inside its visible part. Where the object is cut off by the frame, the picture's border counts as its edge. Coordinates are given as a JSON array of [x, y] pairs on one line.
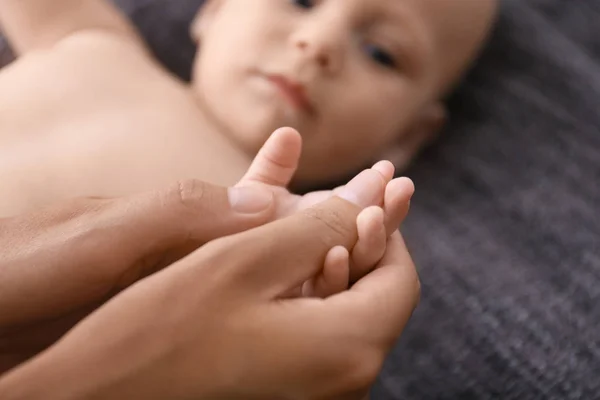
[[359, 79]]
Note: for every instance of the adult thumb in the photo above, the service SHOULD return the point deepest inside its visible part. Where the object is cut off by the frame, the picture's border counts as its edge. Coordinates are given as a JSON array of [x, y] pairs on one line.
[[86, 249], [192, 213]]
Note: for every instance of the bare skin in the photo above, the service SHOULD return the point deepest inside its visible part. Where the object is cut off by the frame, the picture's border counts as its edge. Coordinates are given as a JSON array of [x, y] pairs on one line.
[[86, 111], [45, 291], [119, 124], [159, 340], [122, 240], [43, 246]]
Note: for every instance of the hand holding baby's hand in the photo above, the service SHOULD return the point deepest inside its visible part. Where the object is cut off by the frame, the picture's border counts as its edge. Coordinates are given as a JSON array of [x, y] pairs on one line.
[[387, 201], [375, 225]]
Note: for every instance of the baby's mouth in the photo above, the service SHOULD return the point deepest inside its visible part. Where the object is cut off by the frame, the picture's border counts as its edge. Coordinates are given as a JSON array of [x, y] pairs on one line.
[[293, 92]]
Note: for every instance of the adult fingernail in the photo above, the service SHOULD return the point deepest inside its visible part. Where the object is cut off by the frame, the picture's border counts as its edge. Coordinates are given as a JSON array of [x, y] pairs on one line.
[[250, 200], [364, 190]]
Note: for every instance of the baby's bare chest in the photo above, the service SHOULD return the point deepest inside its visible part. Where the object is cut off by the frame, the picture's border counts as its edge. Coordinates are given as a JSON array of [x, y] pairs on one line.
[[99, 120], [96, 87]]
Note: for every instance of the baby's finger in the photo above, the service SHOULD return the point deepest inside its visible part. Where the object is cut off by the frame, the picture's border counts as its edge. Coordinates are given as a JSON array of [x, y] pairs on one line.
[[385, 299], [277, 161], [386, 169], [398, 194], [334, 277], [371, 244]]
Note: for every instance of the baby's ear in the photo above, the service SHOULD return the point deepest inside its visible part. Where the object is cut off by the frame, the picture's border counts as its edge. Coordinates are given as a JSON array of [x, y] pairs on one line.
[[424, 131], [204, 16]]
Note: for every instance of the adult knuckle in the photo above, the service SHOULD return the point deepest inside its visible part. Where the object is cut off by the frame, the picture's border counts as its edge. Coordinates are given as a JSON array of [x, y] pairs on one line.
[[184, 197], [179, 204], [190, 192], [332, 221]]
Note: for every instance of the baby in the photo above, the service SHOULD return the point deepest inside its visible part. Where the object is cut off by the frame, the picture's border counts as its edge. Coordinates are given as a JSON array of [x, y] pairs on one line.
[[85, 110]]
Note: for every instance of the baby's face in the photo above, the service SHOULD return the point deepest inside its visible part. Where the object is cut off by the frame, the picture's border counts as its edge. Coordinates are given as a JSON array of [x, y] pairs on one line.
[[352, 76]]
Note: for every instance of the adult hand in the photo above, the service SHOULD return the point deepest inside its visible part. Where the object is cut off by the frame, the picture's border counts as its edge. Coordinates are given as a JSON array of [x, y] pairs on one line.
[[214, 325], [57, 265]]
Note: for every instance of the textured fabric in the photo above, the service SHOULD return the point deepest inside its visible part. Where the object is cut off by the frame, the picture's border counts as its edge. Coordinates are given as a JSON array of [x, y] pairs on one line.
[[505, 225]]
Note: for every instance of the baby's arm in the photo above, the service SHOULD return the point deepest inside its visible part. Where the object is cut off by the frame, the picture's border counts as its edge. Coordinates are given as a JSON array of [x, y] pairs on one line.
[[37, 24]]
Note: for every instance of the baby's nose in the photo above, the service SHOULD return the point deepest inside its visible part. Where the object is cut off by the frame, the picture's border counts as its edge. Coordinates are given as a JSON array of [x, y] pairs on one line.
[[321, 56], [321, 44]]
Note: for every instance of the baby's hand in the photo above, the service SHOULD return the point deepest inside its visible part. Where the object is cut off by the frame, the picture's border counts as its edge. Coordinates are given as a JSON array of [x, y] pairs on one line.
[[275, 164], [375, 225], [274, 167]]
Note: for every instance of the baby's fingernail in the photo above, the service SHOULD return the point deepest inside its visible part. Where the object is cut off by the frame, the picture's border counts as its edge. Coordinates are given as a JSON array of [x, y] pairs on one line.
[[364, 190], [249, 200]]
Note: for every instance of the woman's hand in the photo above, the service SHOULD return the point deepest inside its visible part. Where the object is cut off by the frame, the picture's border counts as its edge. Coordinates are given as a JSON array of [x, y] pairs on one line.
[[214, 325], [59, 264]]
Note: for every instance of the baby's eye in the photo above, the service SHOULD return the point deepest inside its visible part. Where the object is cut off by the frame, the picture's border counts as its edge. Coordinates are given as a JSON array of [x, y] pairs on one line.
[[304, 3], [380, 56]]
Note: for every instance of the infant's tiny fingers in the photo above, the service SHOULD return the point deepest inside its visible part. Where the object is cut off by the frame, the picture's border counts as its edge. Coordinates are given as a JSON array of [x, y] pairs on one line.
[[334, 277], [398, 194], [368, 187], [371, 244], [277, 161], [386, 169]]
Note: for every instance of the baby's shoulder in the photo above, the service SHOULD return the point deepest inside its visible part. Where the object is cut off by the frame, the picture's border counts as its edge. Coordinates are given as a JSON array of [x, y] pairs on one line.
[[93, 41], [97, 54], [87, 66]]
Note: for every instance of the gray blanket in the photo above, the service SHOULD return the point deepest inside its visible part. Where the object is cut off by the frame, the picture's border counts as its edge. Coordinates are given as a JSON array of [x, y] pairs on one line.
[[505, 226]]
